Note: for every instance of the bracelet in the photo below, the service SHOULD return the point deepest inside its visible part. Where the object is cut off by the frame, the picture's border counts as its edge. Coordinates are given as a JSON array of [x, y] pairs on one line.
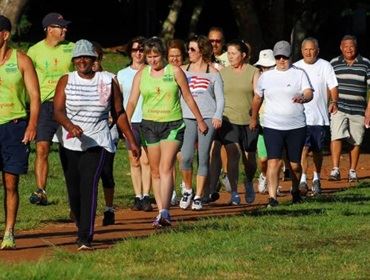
[[333, 102]]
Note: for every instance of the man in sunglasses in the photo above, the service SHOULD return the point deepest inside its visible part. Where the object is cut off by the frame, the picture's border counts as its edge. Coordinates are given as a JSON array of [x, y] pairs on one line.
[[51, 58], [216, 37]]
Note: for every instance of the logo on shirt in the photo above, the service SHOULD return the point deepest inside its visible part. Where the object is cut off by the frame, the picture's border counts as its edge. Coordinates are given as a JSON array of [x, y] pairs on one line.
[[198, 84], [167, 78]]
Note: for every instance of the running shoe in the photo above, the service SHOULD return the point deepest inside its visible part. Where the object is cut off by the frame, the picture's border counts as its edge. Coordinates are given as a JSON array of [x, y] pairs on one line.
[[250, 195], [109, 218], [197, 204], [262, 184], [186, 200], [352, 176], [296, 197], [279, 191], [39, 197], [272, 202], [303, 188], [8, 241], [137, 204], [316, 187], [334, 175], [83, 246], [146, 205], [235, 199]]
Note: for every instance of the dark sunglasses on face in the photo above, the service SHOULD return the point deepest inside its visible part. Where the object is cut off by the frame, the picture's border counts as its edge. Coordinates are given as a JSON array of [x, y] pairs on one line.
[[278, 57], [140, 50], [192, 49], [215, 41], [57, 26]]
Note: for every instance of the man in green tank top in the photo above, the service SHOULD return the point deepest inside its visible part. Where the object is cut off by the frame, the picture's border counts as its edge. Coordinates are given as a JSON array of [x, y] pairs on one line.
[[52, 59], [17, 76]]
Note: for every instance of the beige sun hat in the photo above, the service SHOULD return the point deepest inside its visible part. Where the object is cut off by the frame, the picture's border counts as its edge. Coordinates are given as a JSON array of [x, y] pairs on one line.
[[266, 58]]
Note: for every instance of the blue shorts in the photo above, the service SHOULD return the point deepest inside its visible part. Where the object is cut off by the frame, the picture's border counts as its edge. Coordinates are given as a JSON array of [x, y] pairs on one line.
[[316, 136], [13, 153], [47, 126], [291, 140], [154, 132]]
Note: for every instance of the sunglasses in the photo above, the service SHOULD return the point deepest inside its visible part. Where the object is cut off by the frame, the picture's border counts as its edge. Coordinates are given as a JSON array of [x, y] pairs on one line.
[[57, 26], [140, 50], [217, 41], [191, 49], [278, 57]]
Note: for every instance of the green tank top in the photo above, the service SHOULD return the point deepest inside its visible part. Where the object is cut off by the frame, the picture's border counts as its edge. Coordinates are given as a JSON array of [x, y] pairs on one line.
[[12, 91], [51, 63], [161, 99]]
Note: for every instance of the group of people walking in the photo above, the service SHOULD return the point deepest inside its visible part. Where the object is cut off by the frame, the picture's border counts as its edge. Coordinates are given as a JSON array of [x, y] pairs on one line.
[[168, 103]]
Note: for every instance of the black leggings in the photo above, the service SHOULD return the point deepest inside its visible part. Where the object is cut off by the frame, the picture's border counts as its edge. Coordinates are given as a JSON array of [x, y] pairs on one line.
[[82, 173]]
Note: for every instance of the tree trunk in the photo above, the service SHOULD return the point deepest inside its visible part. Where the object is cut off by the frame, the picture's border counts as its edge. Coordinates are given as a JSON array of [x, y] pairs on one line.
[[12, 9], [168, 28], [248, 24], [195, 17]]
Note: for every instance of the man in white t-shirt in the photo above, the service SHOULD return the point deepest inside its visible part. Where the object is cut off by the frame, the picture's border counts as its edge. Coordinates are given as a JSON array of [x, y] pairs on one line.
[[324, 82], [217, 39]]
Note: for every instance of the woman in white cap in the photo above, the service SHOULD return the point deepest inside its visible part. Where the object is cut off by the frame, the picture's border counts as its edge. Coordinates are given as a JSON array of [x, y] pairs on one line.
[[82, 102], [284, 90]]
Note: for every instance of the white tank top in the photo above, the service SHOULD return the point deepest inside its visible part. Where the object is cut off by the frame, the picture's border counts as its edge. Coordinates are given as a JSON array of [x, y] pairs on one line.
[[88, 105]]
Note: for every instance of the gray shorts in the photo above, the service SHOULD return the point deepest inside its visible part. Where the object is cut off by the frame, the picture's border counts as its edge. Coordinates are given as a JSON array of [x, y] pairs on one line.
[[346, 126]]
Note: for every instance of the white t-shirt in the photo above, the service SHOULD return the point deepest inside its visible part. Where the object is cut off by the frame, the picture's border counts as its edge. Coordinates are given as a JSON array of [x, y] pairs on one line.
[[125, 78], [278, 89], [322, 77]]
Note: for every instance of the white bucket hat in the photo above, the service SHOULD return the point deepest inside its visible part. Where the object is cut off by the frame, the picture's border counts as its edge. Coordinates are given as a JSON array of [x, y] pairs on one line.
[[84, 48], [266, 58]]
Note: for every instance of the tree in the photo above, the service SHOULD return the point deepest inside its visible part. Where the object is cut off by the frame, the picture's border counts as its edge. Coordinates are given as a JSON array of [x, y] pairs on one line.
[[12, 9], [168, 28]]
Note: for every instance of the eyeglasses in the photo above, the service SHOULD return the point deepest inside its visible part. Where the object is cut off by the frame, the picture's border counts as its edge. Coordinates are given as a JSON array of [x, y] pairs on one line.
[[140, 50], [57, 26], [217, 41], [191, 49], [278, 57]]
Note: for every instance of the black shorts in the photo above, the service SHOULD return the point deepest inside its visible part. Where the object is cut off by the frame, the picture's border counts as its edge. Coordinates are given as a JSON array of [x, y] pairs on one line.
[[47, 126], [230, 133], [13, 153], [135, 127], [316, 137], [153, 132], [291, 140]]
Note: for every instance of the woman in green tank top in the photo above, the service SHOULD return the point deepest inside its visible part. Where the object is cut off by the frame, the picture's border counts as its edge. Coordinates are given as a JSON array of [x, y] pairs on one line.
[[162, 127]]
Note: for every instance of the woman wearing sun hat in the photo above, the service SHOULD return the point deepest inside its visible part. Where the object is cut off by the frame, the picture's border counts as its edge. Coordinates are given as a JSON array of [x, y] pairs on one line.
[[82, 102]]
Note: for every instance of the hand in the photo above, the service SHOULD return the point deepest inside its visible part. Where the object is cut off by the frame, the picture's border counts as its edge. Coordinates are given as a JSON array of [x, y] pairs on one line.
[[216, 123], [367, 120], [299, 99], [29, 134], [136, 151], [74, 131], [253, 125], [202, 126], [333, 108]]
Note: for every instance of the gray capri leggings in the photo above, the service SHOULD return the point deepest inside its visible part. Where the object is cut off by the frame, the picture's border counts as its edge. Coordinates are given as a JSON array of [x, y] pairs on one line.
[[191, 135]]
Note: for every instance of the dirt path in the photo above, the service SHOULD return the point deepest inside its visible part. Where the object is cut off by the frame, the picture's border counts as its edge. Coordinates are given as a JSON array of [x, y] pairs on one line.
[[35, 244]]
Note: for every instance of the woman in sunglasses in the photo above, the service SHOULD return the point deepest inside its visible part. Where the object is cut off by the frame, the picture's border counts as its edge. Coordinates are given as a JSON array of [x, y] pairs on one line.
[[207, 89], [162, 127], [284, 90], [139, 168]]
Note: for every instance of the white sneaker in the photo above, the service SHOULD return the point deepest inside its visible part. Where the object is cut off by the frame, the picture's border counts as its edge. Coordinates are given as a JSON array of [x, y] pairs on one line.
[[279, 191], [186, 200], [352, 176], [235, 198], [173, 198], [250, 195], [224, 180], [197, 204], [262, 184]]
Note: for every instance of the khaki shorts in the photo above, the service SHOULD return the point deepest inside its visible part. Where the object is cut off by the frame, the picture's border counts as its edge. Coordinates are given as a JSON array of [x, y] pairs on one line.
[[350, 127]]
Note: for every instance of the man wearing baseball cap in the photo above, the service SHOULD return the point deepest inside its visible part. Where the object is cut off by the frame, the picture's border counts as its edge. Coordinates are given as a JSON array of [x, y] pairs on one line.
[[51, 58], [18, 78]]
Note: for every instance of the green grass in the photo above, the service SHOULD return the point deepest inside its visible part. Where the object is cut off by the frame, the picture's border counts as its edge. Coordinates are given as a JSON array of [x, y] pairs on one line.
[[326, 238]]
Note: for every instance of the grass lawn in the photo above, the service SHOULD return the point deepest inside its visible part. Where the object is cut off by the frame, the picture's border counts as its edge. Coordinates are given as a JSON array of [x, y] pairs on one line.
[[326, 238]]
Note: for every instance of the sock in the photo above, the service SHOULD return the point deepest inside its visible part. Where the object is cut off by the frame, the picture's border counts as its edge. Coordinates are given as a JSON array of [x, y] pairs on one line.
[[336, 168], [139, 196], [316, 176], [188, 190], [197, 197], [304, 178], [109, 208], [145, 194]]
